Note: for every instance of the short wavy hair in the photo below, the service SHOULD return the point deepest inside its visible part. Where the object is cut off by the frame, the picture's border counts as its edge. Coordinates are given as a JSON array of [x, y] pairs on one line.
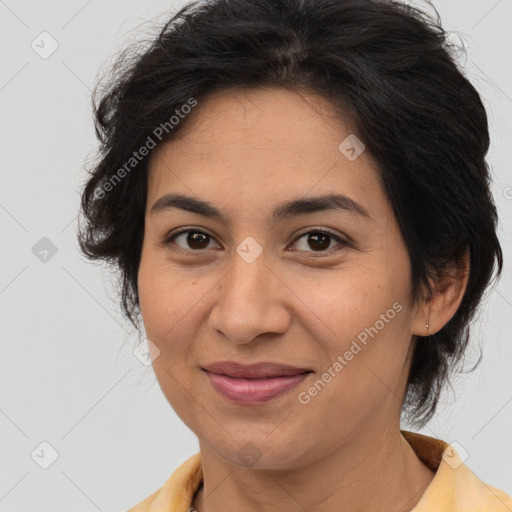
[[388, 66]]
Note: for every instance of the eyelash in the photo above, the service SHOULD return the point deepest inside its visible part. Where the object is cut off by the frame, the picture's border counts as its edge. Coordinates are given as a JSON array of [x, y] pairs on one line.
[[170, 238]]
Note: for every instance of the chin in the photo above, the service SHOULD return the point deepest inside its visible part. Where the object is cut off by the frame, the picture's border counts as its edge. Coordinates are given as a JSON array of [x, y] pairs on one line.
[[261, 452]]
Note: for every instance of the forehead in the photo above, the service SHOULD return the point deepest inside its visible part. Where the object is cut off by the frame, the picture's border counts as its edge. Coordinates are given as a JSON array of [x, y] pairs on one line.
[[265, 115], [263, 143]]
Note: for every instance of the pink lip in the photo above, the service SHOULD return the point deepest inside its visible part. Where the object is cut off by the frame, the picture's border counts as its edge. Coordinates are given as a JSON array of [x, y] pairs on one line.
[[253, 391], [256, 383]]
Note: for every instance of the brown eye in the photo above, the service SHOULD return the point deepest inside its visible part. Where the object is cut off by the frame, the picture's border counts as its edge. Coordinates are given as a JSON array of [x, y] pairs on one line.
[[318, 241], [192, 239]]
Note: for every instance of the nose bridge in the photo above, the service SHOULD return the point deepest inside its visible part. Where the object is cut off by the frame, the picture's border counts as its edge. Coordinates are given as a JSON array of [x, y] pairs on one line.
[[245, 283], [244, 299]]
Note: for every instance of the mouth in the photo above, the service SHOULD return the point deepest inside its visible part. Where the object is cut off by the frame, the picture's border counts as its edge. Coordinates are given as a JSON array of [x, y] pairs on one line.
[[256, 383]]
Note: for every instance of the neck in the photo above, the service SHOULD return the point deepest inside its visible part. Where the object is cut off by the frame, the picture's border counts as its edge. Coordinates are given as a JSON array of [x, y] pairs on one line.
[[375, 471]]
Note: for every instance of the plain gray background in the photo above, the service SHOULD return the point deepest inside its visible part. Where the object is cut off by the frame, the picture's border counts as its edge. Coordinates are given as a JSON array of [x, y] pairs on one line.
[[67, 373]]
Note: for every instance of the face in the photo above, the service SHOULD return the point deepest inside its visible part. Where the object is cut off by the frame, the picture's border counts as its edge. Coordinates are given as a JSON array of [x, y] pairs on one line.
[[324, 289]]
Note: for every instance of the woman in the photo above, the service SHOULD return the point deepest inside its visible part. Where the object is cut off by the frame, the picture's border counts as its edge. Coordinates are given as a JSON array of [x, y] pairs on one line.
[[297, 198]]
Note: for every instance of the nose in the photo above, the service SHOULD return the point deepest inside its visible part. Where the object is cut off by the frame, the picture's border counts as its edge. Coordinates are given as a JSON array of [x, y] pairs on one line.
[[250, 301]]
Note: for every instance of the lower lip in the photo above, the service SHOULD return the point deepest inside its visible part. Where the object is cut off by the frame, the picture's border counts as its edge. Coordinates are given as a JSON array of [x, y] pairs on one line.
[[254, 391]]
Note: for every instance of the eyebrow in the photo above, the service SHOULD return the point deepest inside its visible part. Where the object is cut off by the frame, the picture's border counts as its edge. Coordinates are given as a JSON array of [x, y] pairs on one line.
[[293, 208]]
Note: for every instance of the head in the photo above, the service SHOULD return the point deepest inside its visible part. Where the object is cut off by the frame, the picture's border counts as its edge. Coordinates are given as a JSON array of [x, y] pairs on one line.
[[332, 198]]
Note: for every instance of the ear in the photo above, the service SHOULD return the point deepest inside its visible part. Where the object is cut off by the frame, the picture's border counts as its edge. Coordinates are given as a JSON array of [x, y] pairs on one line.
[[448, 291]]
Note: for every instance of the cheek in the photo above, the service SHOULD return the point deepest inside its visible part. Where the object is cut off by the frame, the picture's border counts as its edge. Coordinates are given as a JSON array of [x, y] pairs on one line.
[[361, 324], [367, 341], [165, 297], [350, 303], [166, 305]]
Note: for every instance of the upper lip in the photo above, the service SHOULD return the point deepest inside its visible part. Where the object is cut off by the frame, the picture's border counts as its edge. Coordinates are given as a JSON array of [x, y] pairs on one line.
[[255, 370]]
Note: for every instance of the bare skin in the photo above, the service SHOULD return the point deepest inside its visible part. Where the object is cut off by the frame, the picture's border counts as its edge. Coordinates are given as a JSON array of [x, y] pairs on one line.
[[296, 303]]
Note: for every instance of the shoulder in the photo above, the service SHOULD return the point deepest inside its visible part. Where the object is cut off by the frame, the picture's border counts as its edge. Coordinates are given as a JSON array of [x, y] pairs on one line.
[[455, 486], [177, 492], [472, 494]]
